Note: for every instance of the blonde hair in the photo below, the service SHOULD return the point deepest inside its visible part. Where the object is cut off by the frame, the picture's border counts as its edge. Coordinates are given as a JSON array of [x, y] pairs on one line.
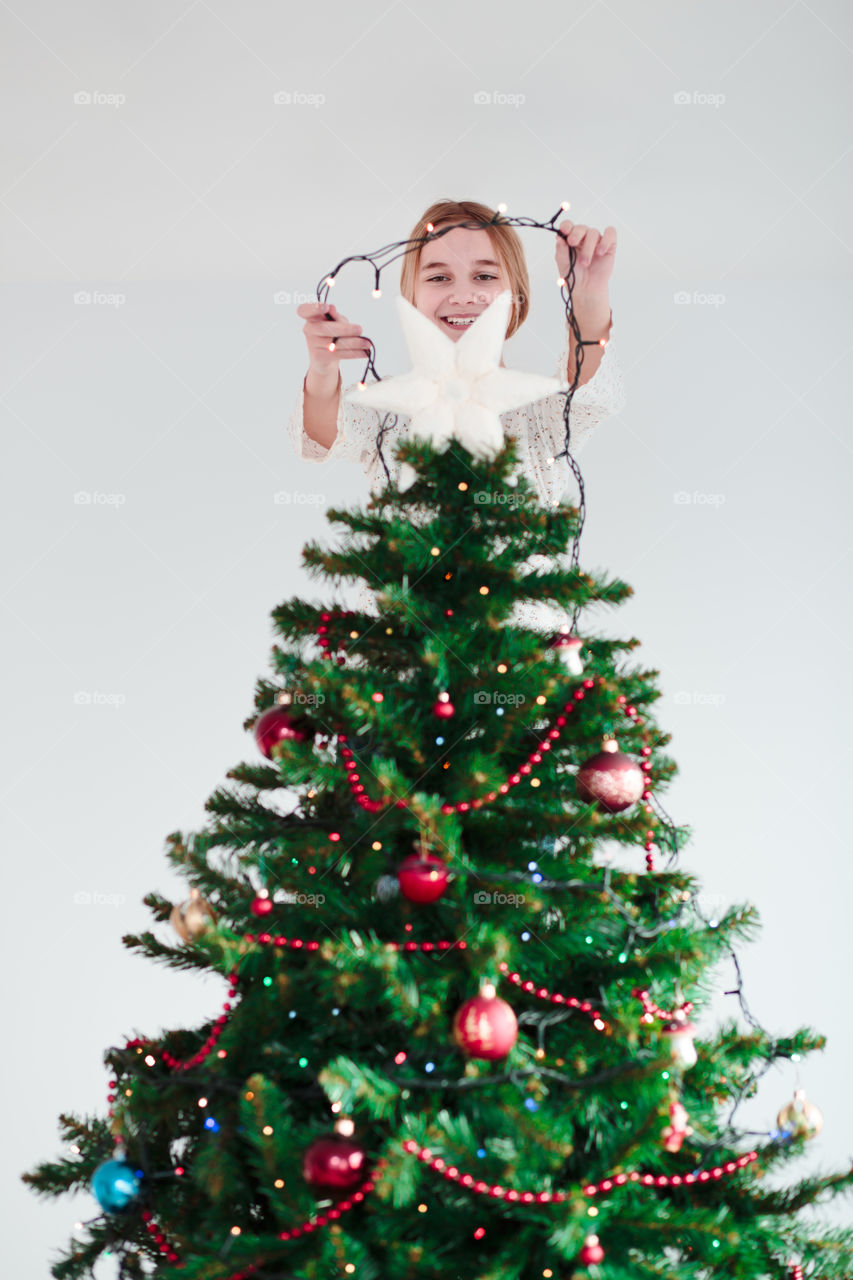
[[505, 242]]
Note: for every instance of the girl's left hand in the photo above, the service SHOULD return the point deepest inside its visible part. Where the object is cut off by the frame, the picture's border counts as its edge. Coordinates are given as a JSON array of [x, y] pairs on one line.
[[594, 257]]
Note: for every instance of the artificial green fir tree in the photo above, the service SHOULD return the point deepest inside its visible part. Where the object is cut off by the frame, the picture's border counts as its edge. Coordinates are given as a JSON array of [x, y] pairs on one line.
[[429, 949]]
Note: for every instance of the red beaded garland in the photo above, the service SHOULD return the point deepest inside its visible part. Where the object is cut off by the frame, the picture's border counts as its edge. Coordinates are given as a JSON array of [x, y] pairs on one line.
[[321, 1220], [655, 1011], [514, 779], [572, 1002], [593, 1188]]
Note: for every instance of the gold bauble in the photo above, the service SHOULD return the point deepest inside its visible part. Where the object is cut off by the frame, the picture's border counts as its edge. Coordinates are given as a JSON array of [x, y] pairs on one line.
[[800, 1117], [192, 918]]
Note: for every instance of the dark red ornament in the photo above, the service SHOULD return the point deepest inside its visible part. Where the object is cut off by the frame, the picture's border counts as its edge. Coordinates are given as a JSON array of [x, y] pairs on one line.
[[336, 1163], [485, 1026], [422, 879], [611, 778], [262, 906], [279, 724], [591, 1251], [444, 708]]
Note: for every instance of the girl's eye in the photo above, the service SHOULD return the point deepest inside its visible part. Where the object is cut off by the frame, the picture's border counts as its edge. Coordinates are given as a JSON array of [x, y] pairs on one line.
[[484, 275]]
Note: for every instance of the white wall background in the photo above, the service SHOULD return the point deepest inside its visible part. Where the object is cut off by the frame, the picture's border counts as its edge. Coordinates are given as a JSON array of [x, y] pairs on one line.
[[196, 199]]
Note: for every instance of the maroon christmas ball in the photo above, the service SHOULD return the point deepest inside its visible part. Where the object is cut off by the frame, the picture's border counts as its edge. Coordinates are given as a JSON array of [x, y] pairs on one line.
[[611, 778], [444, 708], [591, 1251], [336, 1163], [485, 1026], [422, 879], [262, 905], [278, 724]]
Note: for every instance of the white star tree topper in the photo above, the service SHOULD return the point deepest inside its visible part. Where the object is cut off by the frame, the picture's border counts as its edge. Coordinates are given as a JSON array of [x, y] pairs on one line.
[[457, 389]]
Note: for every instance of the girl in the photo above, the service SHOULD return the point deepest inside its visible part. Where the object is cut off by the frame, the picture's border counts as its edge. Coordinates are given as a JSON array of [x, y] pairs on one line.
[[452, 280]]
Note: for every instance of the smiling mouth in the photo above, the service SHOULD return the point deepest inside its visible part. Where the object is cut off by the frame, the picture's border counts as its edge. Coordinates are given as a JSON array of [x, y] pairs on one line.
[[460, 326]]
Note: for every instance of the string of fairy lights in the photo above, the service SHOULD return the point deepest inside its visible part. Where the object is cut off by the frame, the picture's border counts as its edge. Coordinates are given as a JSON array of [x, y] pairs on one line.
[[540, 1023], [382, 258]]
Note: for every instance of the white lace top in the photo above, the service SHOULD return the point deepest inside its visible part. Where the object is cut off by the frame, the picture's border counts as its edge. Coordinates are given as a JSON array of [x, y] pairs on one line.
[[538, 429]]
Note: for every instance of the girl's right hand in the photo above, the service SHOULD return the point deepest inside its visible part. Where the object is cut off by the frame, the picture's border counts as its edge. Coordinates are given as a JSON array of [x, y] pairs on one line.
[[320, 332]]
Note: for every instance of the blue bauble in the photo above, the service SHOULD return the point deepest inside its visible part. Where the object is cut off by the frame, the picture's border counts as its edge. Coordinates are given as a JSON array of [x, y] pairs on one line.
[[115, 1185]]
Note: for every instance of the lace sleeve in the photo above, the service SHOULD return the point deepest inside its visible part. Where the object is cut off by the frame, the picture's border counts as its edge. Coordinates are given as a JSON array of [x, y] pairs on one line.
[[593, 401], [356, 439]]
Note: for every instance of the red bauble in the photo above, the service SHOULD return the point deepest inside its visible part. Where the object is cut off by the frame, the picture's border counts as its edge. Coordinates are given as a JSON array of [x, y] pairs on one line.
[[591, 1251], [422, 879], [262, 906], [334, 1164], [444, 708], [485, 1026], [611, 778], [278, 724]]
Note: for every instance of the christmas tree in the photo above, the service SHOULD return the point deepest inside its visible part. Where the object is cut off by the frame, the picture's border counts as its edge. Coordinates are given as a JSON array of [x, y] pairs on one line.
[[459, 1041], [459, 789]]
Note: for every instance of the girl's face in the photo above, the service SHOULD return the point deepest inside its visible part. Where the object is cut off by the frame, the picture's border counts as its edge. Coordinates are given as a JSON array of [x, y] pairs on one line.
[[458, 276]]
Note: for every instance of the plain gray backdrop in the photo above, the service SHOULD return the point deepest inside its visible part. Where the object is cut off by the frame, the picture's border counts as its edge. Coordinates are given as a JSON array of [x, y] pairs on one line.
[[176, 178]]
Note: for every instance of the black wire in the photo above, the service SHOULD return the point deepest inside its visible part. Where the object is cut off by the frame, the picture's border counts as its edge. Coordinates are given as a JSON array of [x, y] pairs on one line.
[[409, 246]]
